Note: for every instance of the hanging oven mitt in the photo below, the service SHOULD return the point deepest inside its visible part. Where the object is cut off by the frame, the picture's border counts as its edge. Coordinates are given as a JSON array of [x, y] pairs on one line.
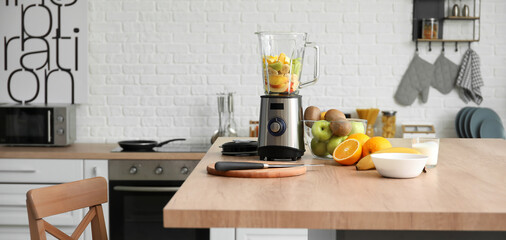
[[416, 81], [445, 74], [469, 80]]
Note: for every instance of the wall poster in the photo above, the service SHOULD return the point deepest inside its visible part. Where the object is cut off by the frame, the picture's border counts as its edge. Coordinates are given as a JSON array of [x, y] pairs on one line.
[[43, 51]]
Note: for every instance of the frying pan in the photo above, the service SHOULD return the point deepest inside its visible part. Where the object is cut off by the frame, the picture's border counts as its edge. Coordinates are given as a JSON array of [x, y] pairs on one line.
[[144, 145]]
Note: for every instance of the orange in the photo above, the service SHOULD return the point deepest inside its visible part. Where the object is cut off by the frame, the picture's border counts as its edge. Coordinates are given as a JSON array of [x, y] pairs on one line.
[[348, 152], [375, 144], [322, 116], [362, 138]]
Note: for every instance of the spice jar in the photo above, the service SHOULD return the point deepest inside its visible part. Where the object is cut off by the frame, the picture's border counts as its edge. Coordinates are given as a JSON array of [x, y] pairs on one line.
[[388, 120], [253, 128], [430, 27]]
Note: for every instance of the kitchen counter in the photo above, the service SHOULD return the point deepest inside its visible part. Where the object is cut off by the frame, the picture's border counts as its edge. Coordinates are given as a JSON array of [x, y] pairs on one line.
[[90, 151], [466, 191]]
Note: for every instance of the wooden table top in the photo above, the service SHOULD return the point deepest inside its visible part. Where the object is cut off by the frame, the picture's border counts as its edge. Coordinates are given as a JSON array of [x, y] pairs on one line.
[[466, 191], [90, 151]]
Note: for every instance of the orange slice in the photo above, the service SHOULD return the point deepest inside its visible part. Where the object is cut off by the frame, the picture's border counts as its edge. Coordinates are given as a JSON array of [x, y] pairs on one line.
[[348, 152]]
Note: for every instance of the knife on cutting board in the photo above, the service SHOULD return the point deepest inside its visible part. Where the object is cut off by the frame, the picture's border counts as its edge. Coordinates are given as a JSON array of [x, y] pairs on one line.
[[227, 166]]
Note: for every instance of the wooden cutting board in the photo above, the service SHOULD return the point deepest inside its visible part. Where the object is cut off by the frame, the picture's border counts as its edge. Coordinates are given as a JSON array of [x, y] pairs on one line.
[[259, 173]]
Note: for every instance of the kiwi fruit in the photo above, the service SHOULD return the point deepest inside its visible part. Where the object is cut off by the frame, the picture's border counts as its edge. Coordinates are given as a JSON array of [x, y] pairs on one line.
[[311, 113], [334, 115], [340, 127]]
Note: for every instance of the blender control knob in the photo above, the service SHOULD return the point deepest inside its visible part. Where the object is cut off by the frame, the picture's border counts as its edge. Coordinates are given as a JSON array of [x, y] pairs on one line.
[[133, 170], [158, 170], [277, 126]]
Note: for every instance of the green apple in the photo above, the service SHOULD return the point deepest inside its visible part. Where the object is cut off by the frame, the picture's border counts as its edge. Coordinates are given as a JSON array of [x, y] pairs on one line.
[[333, 142], [357, 127], [319, 148], [321, 130]]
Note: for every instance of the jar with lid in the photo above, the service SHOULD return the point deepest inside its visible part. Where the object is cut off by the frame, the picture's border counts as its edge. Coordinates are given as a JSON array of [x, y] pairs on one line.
[[253, 128], [430, 28], [388, 120]]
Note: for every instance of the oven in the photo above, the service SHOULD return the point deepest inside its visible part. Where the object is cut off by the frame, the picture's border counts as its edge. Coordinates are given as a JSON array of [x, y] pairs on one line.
[[138, 191]]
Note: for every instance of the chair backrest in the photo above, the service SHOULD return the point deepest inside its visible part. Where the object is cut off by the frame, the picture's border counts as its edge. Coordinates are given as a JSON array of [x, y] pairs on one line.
[[52, 200]]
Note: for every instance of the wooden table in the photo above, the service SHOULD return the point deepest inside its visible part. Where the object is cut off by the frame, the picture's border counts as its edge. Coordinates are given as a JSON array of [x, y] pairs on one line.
[[466, 191]]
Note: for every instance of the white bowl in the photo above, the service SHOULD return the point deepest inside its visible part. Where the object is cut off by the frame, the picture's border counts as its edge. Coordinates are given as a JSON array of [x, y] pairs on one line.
[[399, 165]]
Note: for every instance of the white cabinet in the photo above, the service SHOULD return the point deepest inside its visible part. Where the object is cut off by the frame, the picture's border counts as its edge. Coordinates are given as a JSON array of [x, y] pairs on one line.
[[17, 176], [97, 168], [40, 170], [258, 234]]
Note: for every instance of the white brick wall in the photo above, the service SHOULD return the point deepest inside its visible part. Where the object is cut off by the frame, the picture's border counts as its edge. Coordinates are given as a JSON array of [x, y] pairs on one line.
[[156, 65]]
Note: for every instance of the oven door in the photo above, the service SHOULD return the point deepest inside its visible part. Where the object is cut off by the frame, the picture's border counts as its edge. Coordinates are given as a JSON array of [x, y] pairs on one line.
[[136, 211], [26, 125]]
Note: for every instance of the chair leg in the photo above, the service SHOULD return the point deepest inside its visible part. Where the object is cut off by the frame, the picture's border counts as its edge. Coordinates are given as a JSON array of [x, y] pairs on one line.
[[98, 230]]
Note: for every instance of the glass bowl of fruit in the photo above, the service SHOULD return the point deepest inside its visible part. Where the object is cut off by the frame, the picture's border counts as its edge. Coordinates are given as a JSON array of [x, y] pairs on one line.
[[323, 136]]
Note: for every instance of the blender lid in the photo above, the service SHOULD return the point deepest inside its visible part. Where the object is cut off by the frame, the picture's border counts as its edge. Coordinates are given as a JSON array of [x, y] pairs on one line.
[[240, 146]]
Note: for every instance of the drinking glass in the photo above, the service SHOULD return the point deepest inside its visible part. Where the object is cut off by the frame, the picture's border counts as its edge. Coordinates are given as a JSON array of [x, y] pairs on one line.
[[428, 147]]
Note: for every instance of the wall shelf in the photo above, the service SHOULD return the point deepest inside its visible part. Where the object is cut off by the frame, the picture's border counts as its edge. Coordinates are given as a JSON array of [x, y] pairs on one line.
[[440, 10], [461, 18], [447, 40]]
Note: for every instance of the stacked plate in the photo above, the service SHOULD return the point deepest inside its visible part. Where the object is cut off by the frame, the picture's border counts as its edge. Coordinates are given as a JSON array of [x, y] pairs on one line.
[[474, 122]]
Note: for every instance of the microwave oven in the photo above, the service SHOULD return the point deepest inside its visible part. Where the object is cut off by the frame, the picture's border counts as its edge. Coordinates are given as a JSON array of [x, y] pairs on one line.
[[37, 124]]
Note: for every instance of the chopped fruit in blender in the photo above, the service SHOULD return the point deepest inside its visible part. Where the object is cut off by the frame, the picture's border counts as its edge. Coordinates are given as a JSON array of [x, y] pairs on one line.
[[281, 58], [285, 69], [272, 72], [277, 81], [276, 66], [271, 59], [280, 71]]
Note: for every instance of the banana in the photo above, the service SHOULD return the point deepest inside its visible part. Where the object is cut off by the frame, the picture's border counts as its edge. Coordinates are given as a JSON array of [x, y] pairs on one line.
[[366, 163]]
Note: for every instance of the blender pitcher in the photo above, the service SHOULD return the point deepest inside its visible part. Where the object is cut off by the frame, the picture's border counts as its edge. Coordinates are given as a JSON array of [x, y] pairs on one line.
[[282, 57]]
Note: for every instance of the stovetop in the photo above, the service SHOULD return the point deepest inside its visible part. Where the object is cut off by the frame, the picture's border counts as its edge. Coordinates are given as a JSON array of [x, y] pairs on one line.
[[174, 148]]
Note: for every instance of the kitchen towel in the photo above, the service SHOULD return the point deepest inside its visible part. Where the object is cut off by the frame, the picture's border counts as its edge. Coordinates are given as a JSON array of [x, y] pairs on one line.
[[416, 81], [469, 80], [445, 74]]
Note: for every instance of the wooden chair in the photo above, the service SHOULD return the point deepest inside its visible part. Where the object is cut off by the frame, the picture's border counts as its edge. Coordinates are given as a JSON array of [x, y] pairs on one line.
[[48, 201]]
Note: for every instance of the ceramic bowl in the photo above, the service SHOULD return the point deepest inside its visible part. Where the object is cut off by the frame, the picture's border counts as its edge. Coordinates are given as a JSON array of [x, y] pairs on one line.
[[320, 148], [399, 165]]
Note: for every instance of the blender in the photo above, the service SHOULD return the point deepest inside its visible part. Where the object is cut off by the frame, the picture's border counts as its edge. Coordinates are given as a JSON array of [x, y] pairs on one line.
[[280, 134]]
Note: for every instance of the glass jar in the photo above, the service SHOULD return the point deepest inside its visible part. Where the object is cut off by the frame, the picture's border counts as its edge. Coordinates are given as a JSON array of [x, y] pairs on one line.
[[253, 128], [430, 28], [388, 120]]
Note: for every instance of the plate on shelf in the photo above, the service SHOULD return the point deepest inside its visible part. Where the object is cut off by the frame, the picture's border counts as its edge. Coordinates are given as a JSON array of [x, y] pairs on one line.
[[492, 128], [478, 117], [464, 122], [461, 112]]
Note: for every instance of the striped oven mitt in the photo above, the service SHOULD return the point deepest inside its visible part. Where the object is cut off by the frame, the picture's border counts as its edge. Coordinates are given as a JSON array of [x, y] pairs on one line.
[[469, 80]]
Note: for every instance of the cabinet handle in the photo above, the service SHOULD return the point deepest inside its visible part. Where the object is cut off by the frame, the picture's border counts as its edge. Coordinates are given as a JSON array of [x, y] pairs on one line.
[[18, 170], [48, 126], [96, 172]]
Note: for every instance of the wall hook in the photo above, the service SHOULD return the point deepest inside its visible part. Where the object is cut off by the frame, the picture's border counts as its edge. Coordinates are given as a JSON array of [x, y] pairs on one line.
[[469, 46], [430, 46], [443, 46], [456, 46], [416, 44]]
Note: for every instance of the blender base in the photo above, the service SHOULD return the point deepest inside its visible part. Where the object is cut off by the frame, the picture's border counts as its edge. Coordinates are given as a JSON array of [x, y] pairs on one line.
[[279, 153]]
